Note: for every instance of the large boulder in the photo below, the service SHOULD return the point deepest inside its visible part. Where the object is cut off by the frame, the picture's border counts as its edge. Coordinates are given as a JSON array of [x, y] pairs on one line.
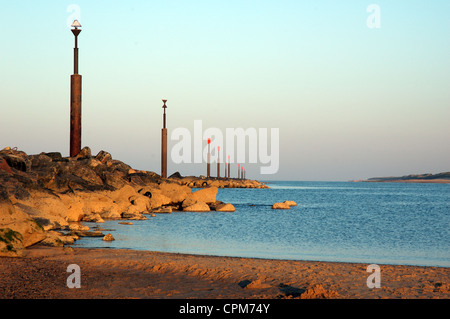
[[205, 195], [155, 196], [19, 222], [197, 207], [225, 207], [99, 203], [188, 202], [177, 193]]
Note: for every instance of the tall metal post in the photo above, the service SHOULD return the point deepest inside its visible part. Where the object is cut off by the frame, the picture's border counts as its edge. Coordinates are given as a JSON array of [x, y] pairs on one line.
[[164, 144], [75, 98], [225, 171], [239, 171], [208, 163], [218, 161]]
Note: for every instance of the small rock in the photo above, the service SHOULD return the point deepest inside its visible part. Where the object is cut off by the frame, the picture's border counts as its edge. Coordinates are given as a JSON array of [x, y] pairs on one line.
[[280, 206], [126, 223], [95, 218], [103, 157], [55, 156], [87, 233], [77, 226], [162, 210], [108, 237], [176, 175], [290, 202], [133, 215], [84, 153]]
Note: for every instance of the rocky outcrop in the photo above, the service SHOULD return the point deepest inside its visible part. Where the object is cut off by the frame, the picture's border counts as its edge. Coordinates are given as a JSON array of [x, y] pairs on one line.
[[43, 194]]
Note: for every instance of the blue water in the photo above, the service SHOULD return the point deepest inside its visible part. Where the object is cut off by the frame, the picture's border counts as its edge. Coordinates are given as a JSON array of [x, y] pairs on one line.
[[383, 223]]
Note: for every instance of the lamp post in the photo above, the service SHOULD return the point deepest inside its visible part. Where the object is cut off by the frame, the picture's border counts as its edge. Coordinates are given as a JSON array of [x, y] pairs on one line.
[[75, 98], [225, 175], [208, 163], [164, 144], [229, 166], [218, 161]]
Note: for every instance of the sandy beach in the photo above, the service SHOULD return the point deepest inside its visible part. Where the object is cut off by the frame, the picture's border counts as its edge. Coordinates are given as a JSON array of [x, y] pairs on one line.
[[130, 274]]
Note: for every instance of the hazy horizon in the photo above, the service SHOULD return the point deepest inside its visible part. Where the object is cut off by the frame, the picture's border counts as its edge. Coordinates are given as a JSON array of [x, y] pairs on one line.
[[351, 102]]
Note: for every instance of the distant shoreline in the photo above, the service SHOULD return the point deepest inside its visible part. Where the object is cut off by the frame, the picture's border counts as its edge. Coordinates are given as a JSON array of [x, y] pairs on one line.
[[432, 181], [441, 178]]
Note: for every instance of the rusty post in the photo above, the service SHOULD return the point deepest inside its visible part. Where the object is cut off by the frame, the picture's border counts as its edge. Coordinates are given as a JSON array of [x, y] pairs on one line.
[[75, 99], [218, 161], [208, 163], [225, 170], [164, 144], [239, 171], [75, 114]]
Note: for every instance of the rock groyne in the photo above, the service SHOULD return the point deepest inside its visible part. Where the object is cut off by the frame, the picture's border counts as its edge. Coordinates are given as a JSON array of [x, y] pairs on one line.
[[44, 197]]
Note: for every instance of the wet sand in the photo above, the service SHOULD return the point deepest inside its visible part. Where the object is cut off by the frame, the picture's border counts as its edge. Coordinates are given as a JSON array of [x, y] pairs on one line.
[[108, 273]]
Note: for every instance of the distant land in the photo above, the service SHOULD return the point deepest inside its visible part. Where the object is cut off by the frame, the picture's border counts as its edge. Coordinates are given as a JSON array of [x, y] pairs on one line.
[[415, 178]]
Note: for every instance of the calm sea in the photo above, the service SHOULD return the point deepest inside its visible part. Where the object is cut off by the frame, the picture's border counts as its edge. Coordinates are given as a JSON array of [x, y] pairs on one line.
[[384, 223]]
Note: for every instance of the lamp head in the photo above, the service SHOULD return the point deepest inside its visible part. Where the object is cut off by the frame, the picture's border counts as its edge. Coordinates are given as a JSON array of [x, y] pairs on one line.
[[164, 106], [75, 25]]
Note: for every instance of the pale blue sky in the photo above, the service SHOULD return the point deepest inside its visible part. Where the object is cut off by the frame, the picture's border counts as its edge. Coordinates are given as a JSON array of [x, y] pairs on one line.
[[351, 102]]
